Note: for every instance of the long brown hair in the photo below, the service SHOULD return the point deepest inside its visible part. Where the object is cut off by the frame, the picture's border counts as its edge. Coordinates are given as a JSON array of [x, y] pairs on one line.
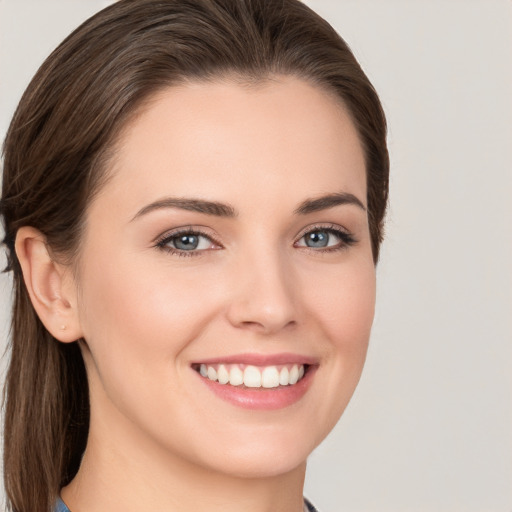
[[57, 149]]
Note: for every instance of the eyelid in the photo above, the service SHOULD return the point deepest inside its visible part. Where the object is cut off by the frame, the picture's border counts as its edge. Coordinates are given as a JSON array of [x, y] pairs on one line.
[[163, 239], [329, 226], [347, 238]]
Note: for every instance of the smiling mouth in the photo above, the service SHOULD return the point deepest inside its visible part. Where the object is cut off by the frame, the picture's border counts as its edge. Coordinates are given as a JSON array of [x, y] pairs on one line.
[[250, 376]]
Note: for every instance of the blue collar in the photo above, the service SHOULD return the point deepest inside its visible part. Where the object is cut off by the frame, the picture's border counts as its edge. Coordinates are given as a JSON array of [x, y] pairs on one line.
[[60, 506]]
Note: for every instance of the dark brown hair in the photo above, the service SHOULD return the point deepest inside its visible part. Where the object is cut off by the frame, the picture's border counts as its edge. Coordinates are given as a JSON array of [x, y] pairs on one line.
[[56, 152]]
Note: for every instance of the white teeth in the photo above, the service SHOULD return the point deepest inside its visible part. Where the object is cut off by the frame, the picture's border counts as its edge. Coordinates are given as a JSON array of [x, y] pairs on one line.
[[212, 373], [222, 374], [294, 374], [284, 376], [252, 377], [236, 376], [270, 377]]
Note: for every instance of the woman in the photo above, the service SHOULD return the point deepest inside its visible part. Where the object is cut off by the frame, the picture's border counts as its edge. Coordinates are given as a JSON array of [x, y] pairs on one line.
[[193, 201]]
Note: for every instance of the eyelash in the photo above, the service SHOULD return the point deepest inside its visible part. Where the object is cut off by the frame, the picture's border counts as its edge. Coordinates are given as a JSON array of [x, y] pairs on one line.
[[167, 238], [346, 240]]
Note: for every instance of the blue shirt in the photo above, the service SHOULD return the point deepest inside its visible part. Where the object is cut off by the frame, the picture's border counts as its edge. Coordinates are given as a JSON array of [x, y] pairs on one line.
[[60, 506]]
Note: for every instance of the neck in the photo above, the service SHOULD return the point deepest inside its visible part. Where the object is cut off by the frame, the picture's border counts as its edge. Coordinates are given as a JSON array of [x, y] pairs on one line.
[[143, 478]]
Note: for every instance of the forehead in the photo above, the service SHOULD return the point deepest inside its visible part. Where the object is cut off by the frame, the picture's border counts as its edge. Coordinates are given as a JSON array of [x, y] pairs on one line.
[[281, 136]]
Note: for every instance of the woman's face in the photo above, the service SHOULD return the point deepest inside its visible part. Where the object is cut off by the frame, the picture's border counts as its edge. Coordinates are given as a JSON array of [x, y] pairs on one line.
[[231, 244]]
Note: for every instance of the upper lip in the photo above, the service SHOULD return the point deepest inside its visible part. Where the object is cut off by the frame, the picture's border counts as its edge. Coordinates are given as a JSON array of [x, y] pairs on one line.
[[261, 359]]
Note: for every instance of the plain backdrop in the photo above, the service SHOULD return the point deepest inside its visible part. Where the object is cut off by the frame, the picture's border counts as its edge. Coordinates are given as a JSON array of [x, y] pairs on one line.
[[430, 426]]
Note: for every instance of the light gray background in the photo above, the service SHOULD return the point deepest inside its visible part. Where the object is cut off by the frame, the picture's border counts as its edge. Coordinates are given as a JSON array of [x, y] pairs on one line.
[[430, 426]]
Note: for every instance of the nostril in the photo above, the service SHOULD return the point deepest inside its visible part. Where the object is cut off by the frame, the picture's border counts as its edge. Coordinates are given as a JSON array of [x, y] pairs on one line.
[[263, 302], [267, 326]]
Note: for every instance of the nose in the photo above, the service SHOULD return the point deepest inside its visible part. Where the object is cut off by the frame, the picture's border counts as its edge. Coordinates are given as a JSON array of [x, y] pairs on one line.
[[263, 296]]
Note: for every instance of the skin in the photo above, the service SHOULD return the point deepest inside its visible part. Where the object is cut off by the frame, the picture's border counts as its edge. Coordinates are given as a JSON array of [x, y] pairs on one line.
[[159, 438]]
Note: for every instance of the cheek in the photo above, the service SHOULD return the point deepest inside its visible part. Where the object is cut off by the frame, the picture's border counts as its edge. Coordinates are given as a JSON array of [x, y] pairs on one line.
[[343, 305], [135, 314], [132, 315], [139, 321], [344, 301]]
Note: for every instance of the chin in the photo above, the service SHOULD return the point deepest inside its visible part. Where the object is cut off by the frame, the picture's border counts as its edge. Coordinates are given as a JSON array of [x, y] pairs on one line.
[[263, 455], [265, 464]]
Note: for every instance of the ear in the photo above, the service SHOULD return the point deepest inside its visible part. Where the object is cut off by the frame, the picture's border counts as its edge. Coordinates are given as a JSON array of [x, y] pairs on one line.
[[51, 285]]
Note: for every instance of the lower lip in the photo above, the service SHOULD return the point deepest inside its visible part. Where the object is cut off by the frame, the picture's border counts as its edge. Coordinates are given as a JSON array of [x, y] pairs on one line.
[[262, 398]]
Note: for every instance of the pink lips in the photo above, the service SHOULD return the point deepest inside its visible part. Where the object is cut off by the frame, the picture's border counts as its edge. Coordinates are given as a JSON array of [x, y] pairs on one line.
[[262, 398]]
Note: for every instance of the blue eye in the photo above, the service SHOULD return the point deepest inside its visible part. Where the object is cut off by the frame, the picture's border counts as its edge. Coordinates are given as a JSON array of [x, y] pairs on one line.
[[330, 239], [186, 242], [317, 239]]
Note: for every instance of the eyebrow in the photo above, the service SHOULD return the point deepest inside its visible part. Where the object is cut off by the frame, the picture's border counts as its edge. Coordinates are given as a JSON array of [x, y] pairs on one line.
[[193, 205], [328, 201], [225, 210]]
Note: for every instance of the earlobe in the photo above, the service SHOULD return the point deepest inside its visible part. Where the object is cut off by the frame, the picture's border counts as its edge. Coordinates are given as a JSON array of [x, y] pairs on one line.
[[50, 285]]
